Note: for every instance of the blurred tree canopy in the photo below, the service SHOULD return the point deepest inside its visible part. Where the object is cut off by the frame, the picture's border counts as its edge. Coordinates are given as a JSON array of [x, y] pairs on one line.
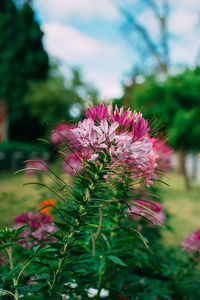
[[176, 102], [59, 98], [22, 58]]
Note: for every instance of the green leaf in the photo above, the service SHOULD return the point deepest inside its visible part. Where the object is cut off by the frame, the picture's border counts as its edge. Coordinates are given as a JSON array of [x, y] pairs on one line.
[[11, 272], [63, 226], [27, 288], [117, 260], [7, 245], [19, 230], [46, 250]]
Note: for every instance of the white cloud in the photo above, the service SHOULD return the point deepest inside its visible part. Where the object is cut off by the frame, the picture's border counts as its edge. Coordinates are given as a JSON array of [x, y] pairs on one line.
[[182, 21], [83, 9], [195, 4], [72, 45], [102, 63], [147, 18], [108, 82], [184, 53]]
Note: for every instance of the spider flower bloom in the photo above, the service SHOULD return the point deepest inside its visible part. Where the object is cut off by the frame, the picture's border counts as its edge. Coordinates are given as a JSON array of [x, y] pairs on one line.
[[121, 135], [191, 243], [37, 163], [61, 133], [72, 164], [38, 229], [108, 136], [137, 211]]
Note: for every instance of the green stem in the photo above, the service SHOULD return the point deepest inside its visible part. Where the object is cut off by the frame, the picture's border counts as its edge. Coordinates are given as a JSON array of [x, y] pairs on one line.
[[75, 229], [100, 281], [94, 238], [23, 268], [8, 292], [10, 258], [61, 262]]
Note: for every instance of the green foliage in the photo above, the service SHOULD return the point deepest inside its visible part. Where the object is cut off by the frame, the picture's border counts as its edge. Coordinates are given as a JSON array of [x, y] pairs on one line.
[[175, 101], [97, 246], [24, 147], [52, 100], [22, 58], [9, 149]]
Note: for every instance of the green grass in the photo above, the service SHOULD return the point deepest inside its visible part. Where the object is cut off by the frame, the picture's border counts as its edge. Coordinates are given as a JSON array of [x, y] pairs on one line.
[[16, 198], [183, 207]]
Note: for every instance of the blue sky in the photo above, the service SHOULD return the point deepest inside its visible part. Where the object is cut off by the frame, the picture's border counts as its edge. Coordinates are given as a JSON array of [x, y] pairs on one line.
[[86, 33]]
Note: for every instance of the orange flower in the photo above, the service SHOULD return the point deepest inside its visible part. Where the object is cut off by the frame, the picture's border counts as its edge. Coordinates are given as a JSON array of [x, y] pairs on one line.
[[46, 206]]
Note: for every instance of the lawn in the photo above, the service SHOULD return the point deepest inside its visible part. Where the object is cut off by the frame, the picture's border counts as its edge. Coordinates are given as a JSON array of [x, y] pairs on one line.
[[183, 207], [15, 197]]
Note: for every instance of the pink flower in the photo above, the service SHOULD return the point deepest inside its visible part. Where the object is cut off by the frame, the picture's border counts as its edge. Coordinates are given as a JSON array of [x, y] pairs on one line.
[[38, 229], [124, 118], [120, 134], [137, 211], [192, 243], [104, 136], [61, 133], [36, 163], [132, 153], [32, 280], [91, 136], [72, 164], [140, 126], [137, 124], [101, 112]]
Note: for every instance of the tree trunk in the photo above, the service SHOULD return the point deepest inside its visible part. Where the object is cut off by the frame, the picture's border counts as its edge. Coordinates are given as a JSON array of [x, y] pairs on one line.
[[181, 168], [181, 161]]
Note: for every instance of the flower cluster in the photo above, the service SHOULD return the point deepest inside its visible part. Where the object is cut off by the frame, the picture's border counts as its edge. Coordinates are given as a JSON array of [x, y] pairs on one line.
[[138, 211], [191, 243], [122, 134], [39, 226], [35, 165]]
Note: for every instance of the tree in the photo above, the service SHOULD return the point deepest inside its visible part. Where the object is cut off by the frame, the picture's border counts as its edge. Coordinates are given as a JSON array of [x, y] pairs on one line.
[[53, 100], [175, 101], [151, 46], [22, 58]]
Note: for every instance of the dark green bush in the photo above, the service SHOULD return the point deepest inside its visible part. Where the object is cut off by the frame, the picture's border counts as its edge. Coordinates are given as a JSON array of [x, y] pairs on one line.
[[13, 154]]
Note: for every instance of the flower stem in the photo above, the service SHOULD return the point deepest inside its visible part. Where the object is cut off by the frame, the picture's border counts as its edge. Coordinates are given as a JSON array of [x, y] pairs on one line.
[[75, 230], [10, 258], [62, 260]]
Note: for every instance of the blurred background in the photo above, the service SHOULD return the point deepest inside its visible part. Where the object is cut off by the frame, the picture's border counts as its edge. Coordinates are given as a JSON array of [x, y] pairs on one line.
[[57, 56]]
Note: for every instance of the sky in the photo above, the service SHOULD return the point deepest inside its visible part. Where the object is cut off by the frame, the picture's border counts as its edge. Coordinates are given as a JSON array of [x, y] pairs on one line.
[[88, 34]]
